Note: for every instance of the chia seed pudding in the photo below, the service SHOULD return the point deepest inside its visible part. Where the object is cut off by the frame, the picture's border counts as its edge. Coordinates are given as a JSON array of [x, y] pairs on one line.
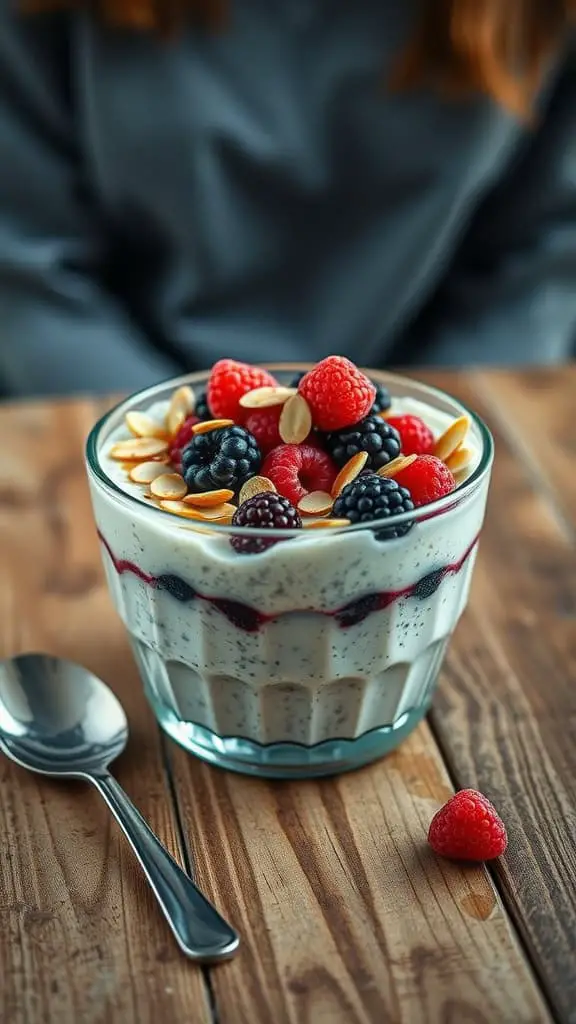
[[316, 655]]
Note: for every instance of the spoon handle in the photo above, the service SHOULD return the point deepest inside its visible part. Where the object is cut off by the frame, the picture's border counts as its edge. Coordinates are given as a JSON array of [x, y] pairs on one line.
[[200, 931]]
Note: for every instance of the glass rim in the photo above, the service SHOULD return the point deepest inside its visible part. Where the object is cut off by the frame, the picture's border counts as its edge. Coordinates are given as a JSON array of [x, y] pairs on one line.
[[424, 512]]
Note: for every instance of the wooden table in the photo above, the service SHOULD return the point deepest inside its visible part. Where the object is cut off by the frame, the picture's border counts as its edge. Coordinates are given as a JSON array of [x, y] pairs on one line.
[[346, 915]]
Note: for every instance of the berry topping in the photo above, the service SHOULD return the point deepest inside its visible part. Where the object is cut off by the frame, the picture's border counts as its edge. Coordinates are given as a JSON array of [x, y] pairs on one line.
[[182, 437], [201, 408], [415, 436], [382, 402], [372, 435], [266, 511], [427, 479], [295, 382], [338, 393], [468, 828], [375, 497], [297, 469], [228, 381], [220, 458], [263, 424]]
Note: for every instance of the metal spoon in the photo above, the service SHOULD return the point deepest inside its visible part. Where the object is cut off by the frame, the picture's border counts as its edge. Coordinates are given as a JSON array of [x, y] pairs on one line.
[[58, 719]]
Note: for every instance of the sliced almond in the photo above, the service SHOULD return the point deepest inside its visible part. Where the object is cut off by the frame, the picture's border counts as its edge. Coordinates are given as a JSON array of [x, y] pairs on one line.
[[396, 465], [181, 405], [221, 513], [255, 485], [138, 448], [460, 459], [452, 438], [265, 398], [461, 476], [146, 472], [322, 524], [141, 425], [295, 420], [169, 486], [349, 472], [209, 499], [316, 503], [207, 425]]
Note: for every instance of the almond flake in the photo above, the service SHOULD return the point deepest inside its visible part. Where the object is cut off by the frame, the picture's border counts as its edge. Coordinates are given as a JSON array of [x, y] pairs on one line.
[[266, 398], [170, 486], [141, 425], [221, 513], [316, 503], [349, 472], [146, 472], [295, 420], [256, 485], [181, 406], [207, 425], [138, 448], [208, 499], [452, 438], [321, 524], [461, 476], [396, 465], [460, 459]]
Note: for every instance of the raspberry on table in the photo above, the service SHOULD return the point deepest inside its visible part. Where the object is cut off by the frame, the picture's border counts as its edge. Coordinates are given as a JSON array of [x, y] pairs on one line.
[[267, 511], [297, 469], [370, 498], [224, 457], [382, 402], [263, 424], [182, 437], [415, 435], [338, 393], [427, 479], [373, 435], [468, 827], [228, 381]]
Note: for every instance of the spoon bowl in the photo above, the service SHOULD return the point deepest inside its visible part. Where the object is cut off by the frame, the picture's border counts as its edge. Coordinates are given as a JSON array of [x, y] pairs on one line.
[[57, 718]]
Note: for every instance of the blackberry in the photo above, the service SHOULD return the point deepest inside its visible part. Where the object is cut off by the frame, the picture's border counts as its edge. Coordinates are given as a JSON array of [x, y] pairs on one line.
[[372, 435], [296, 380], [382, 402], [175, 586], [263, 512], [201, 409], [224, 457], [370, 498]]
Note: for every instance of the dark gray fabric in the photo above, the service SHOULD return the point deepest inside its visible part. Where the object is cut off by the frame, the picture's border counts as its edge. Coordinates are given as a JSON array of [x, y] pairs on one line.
[[259, 194]]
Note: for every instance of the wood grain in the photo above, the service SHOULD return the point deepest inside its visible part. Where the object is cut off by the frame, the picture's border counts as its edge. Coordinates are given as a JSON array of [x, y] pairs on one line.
[[81, 938], [506, 712], [346, 916]]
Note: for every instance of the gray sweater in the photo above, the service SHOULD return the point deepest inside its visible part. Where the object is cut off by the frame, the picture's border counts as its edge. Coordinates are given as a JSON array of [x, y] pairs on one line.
[[260, 194]]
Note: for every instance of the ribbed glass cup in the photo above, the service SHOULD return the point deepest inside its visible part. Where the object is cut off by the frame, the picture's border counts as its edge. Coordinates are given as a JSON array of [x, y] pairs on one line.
[[313, 657]]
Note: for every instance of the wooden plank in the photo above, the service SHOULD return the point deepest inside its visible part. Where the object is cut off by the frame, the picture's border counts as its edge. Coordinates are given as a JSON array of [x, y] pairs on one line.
[[81, 938], [346, 915], [506, 712], [539, 407]]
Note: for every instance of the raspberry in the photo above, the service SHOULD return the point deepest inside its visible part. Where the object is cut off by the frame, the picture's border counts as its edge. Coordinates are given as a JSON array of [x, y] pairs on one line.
[[263, 512], [373, 435], [415, 435], [263, 424], [181, 438], [227, 383], [468, 828], [338, 393], [296, 469], [375, 497], [224, 457], [427, 479], [382, 402]]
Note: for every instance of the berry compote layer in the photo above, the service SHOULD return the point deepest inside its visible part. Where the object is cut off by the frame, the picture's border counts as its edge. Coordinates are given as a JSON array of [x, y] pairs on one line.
[[308, 655]]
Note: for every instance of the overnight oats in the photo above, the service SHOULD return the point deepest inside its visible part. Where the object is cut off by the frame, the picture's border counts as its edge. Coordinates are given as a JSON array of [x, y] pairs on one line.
[[290, 554]]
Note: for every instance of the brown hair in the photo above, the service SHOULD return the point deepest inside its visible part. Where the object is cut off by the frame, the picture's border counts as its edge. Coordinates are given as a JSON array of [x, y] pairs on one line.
[[498, 47]]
